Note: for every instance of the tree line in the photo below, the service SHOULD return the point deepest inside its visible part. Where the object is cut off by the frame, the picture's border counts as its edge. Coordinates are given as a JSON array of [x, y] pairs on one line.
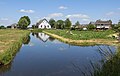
[[25, 21], [60, 24]]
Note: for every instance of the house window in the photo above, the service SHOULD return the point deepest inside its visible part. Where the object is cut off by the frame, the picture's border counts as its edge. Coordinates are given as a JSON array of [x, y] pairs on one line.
[[48, 26], [41, 26]]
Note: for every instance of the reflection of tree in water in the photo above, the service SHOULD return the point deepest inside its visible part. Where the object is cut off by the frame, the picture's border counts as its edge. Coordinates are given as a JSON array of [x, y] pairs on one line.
[[26, 40], [5, 68], [51, 39], [33, 34], [108, 66]]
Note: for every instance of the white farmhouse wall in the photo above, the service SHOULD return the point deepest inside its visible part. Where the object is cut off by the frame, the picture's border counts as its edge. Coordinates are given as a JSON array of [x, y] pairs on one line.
[[103, 27], [44, 25]]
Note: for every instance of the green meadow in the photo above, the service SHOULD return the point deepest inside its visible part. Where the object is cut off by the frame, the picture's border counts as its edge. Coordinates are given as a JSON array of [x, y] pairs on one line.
[[83, 35]]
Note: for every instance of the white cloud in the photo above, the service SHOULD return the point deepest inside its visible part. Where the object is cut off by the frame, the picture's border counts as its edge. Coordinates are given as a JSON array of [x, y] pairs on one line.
[[63, 7], [118, 8], [85, 20], [78, 16], [26, 11], [4, 19], [110, 13], [54, 15]]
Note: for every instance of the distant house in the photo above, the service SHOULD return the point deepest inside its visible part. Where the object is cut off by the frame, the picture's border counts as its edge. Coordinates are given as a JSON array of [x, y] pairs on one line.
[[43, 24], [81, 27], [12, 26], [103, 24]]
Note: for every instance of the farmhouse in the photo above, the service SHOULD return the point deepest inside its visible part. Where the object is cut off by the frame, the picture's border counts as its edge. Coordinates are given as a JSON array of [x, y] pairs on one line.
[[13, 26], [43, 24], [103, 24]]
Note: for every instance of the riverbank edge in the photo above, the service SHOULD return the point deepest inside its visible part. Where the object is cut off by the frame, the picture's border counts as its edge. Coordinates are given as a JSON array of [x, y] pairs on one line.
[[7, 56], [83, 42]]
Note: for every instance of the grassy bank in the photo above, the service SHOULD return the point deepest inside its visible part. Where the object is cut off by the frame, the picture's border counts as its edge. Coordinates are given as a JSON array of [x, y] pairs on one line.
[[36, 30], [83, 37], [10, 42]]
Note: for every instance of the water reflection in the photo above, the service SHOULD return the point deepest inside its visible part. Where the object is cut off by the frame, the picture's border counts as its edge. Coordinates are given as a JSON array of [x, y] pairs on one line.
[[109, 65], [51, 39], [4, 69], [43, 37], [26, 40]]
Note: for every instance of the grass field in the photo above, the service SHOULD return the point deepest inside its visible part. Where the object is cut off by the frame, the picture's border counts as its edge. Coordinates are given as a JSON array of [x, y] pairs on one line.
[[83, 35], [36, 30], [10, 42]]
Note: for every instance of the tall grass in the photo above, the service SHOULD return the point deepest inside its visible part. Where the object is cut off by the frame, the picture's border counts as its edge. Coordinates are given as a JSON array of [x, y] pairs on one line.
[[12, 40], [108, 66]]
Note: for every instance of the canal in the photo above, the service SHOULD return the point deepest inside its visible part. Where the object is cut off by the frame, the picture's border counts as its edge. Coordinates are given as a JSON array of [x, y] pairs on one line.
[[43, 55]]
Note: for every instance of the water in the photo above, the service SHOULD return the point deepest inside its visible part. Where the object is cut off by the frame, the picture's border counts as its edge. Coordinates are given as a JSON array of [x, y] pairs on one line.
[[46, 56]]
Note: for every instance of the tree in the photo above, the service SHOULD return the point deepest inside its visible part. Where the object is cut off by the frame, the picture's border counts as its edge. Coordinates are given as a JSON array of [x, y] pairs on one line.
[[28, 19], [77, 23], [68, 23], [113, 26], [24, 22], [119, 22], [52, 22], [2, 27], [91, 27], [60, 24], [117, 27], [33, 26], [77, 26]]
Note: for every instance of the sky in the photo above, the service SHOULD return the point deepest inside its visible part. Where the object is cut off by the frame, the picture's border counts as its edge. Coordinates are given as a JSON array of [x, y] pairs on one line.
[[83, 11]]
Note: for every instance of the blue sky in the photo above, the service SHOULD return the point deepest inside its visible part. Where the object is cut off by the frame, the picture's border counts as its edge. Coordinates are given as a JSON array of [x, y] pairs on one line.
[[83, 11]]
